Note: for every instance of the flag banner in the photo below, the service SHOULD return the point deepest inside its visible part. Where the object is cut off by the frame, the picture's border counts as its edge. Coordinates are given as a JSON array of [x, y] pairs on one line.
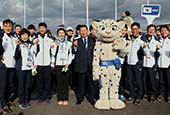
[[151, 10]]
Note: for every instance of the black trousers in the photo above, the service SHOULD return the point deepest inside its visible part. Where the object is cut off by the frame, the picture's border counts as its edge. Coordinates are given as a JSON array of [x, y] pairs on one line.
[[134, 79], [62, 84], [123, 80], [7, 86], [149, 81], [34, 88], [164, 81], [85, 86], [24, 86], [44, 82]]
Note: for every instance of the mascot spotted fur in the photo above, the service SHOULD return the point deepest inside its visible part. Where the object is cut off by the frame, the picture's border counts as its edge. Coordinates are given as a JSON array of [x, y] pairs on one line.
[[108, 49]]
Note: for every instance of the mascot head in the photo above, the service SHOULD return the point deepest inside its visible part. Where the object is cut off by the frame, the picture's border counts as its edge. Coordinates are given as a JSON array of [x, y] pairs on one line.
[[108, 30]]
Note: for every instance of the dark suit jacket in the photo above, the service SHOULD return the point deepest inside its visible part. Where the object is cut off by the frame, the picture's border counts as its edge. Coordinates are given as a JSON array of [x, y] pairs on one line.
[[84, 56]]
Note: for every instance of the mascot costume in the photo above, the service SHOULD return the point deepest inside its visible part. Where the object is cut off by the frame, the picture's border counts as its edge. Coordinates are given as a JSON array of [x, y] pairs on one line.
[[108, 49]]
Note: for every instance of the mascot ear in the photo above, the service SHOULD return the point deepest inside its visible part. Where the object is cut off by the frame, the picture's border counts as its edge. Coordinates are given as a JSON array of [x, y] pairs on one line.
[[95, 24]]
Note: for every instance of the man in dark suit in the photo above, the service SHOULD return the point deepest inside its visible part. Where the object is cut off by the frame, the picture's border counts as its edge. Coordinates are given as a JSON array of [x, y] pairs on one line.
[[83, 65]]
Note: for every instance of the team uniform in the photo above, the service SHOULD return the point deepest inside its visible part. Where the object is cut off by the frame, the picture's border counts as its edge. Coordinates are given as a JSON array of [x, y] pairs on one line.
[[150, 67], [62, 55], [42, 61], [7, 68], [164, 68], [134, 67], [24, 63]]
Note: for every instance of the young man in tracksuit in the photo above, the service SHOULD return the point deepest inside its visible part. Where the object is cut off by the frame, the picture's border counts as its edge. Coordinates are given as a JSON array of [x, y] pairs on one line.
[[149, 64], [164, 64], [134, 65], [42, 63], [7, 65]]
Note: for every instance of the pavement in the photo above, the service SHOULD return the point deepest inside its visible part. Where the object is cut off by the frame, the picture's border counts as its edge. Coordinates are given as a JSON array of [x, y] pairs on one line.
[[146, 108]]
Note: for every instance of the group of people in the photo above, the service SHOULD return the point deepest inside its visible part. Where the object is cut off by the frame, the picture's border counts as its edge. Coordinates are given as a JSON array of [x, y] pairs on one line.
[[146, 65], [28, 57]]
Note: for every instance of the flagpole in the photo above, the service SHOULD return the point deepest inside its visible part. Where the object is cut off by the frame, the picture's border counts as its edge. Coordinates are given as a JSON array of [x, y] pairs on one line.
[[148, 2], [42, 11], [87, 12], [115, 10], [62, 11], [24, 13]]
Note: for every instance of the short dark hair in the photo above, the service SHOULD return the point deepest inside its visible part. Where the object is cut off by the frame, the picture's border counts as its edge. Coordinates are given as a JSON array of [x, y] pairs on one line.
[[78, 27], [7, 21], [135, 24], [24, 31], [82, 26], [164, 26], [18, 25], [31, 26], [151, 25], [127, 13], [42, 24], [62, 30]]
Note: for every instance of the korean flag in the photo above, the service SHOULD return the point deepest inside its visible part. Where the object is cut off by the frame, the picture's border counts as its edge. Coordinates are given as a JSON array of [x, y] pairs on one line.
[[147, 10]]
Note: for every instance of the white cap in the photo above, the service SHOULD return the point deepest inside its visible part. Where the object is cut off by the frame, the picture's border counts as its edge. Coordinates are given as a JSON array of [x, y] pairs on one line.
[[69, 28]]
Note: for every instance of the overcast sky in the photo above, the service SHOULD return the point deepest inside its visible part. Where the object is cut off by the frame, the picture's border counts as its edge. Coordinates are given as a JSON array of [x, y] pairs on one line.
[[75, 11]]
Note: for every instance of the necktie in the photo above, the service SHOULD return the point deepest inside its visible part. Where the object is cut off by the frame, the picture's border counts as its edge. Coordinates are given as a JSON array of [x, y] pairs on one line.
[[85, 42]]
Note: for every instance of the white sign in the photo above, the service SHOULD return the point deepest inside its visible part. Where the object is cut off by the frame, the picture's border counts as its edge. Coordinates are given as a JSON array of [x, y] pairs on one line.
[[150, 12]]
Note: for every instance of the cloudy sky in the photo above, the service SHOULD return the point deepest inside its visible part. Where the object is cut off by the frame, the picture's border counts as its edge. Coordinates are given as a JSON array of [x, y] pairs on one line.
[[75, 11]]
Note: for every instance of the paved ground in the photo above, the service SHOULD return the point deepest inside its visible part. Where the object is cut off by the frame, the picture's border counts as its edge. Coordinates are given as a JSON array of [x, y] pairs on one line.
[[158, 108]]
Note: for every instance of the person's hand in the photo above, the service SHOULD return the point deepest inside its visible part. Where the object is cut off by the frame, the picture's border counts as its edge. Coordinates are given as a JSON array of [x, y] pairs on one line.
[[17, 42], [56, 42], [144, 45], [36, 41], [75, 43], [34, 66], [66, 66], [159, 46], [127, 42], [52, 65], [2, 60]]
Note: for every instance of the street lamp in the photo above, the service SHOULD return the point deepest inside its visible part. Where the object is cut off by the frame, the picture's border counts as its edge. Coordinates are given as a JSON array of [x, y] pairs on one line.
[[24, 13], [115, 10], [42, 11], [87, 12], [62, 11]]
